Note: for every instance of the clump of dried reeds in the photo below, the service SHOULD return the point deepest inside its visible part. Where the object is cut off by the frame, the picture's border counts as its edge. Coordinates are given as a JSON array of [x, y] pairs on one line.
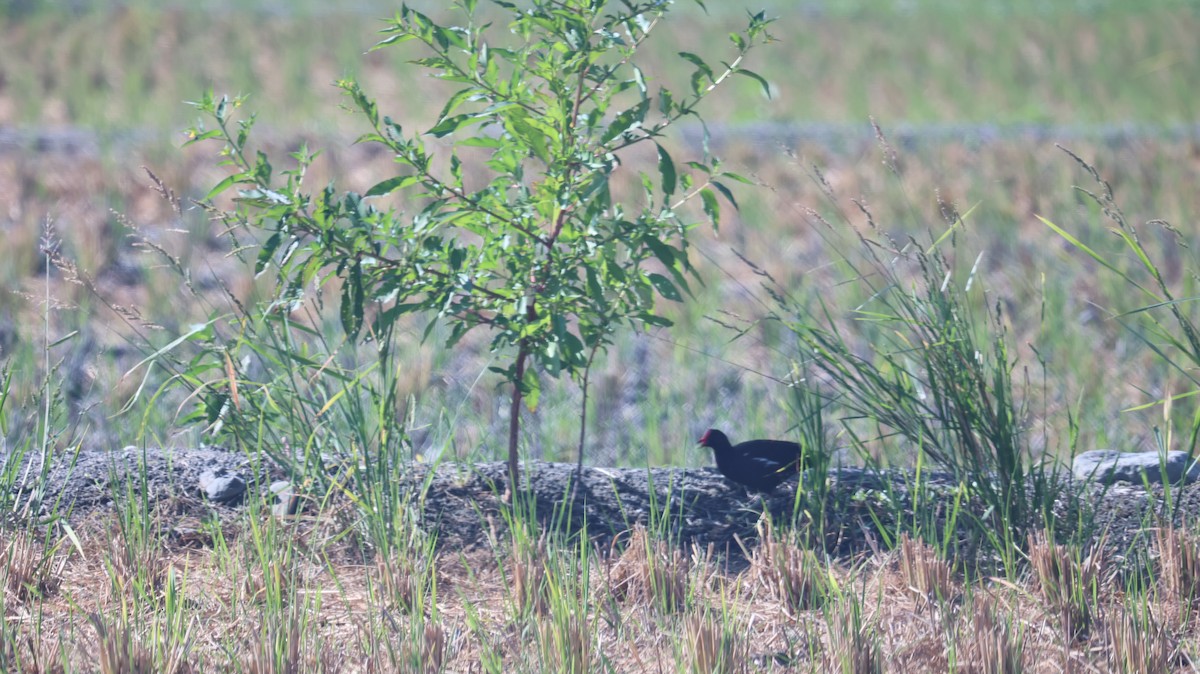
[[650, 571]]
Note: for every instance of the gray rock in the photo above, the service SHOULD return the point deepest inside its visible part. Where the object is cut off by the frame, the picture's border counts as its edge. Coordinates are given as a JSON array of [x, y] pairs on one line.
[[461, 505], [221, 485], [97, 477], [1107, 466], [286, 499]]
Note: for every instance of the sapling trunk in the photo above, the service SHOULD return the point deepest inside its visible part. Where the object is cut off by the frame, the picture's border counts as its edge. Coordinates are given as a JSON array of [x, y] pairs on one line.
[[587, 371], [514, 420]]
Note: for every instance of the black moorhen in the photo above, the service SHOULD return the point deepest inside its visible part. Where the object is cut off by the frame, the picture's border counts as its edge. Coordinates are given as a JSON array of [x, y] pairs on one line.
[[759, 465]]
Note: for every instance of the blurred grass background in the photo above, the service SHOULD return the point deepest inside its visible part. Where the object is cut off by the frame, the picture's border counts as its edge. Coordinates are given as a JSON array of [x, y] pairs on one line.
[[972, 96]]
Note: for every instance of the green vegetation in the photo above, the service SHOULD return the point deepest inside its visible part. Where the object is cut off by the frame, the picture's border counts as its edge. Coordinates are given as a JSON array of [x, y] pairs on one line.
[[958, 306], [541, 257], [1115, 63]]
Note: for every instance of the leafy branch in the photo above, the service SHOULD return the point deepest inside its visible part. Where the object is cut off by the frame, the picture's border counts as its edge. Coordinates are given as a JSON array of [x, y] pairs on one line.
[[541, 254]]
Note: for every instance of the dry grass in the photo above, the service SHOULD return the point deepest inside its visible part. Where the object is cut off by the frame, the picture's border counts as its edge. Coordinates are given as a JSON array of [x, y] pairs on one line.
[[926, 575], [651, 572], [1179, 559], [277, 648], [28, 570], [529, 576], [432, 652], [1068, 584], [402, 578], [815, 615], [134, 565], [335, 622], [992, 643], [566, 644], [793, 574], [264, 582], [120, 651], [854, 644], [1138, 644], [712, 647]]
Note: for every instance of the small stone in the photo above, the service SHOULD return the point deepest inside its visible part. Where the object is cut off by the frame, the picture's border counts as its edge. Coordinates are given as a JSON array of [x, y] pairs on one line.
[[287, 500], [222, 486], [1107, 466], [189, 537]]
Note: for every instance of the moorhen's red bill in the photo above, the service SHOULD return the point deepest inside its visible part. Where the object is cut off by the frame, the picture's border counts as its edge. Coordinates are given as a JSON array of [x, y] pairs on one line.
[[757, 464]]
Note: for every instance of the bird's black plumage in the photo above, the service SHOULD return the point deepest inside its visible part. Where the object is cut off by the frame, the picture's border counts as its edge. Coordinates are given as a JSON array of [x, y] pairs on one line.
[[760, 465]]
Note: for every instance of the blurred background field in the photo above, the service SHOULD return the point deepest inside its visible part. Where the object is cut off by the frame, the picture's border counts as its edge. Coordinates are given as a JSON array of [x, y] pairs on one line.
[[971, 97]]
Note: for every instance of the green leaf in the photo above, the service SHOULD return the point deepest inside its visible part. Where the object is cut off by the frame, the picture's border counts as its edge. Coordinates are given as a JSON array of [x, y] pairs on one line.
[[666, 102], [214, 404], [727, 194], [480, 141], [1091, 253], [665, 287], [449, 125], [666, 167], [391, 185], [223, 185], [698, 62], [531, 389], [529, 135], [65, 338], [456, 100], [639, 79], [392, 39], [595, 290], [627, 121], [429, 328], [352, 301], [662, 251], [766, 87], [262, 168], [267, 252], [740, 178], [195, 136], [711, 207]]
